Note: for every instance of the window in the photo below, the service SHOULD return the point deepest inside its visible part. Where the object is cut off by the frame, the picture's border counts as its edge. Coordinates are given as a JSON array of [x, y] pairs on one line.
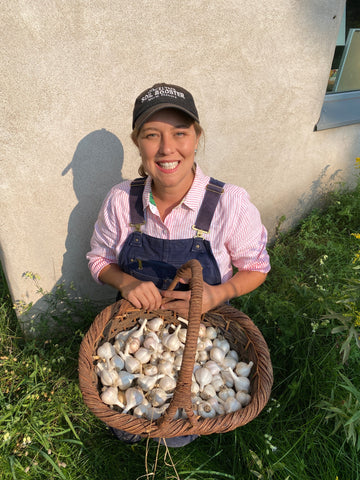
[[342, 100]]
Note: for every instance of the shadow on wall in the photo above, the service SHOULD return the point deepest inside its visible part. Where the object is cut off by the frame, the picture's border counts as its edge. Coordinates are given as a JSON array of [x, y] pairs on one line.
[[315, 197], [96, 167]]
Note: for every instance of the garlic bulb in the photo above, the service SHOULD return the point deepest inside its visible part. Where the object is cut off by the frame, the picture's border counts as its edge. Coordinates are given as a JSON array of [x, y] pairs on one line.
[[117, 363], [110, 397], [203, 377], [158, 397], [143, 355], [205, 410], [106, 351], [217, 354], [125, 380], [211, 333], [231, 405], [134, 397], [147, 382], [168, 384], [243, 369], [109, 377], [240, 383], [226, 392], [208, 392], [171, 341], [155, 324], [150, 369], [132, 364], [243, 398], [229, 362], [223, 344], [217, 405]]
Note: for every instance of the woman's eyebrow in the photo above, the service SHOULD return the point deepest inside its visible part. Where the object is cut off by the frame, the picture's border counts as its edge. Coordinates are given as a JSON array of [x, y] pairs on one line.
[[182, 125]]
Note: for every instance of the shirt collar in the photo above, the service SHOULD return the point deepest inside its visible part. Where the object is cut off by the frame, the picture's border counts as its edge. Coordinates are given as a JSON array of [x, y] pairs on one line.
[[194, 196]]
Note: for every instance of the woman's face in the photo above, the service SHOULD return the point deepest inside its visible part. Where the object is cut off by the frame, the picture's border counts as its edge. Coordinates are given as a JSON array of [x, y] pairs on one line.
[[167, 142]]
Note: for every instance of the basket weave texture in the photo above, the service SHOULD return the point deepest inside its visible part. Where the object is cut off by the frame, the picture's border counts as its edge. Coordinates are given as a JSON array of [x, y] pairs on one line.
[[237, 328]]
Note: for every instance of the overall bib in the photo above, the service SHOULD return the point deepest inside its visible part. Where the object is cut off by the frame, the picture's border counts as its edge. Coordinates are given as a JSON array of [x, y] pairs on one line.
[[153, 259]]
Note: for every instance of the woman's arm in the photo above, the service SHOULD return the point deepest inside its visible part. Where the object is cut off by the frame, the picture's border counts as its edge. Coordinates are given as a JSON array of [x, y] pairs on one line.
[[213, 295], [140, 294]]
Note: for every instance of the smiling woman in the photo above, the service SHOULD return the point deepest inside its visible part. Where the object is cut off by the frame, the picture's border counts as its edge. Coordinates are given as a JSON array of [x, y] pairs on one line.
[[150, 227]]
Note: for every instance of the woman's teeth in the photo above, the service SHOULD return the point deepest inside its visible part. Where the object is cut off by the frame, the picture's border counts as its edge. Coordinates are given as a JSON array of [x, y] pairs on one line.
[[168, 165]]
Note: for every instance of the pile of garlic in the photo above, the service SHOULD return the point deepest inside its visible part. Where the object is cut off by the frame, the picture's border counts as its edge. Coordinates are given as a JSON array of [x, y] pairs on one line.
[[139, 370]]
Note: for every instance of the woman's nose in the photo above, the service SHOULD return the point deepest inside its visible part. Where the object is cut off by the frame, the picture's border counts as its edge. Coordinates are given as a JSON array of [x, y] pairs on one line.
[[167, 145]]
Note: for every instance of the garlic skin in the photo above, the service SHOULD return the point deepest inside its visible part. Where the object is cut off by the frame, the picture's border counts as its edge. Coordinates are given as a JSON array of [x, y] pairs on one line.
[[243, 398], [125, 380], [106, 351], [205, 410], [243, 369], [208, 392], [203, 377], [229, 362], [117, 363], [211, 333], [168, 384], [158, 397], [226, 392], [171, 341], [223, 344], [217, 354], [150, 369], [109, 377], [143, 355], [110, 397], [155, 324], [148, 382], [134, 397], [231, 405], [240, 383]]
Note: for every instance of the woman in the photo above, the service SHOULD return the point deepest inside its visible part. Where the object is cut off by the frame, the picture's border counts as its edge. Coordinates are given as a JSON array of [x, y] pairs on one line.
[[148, 228]]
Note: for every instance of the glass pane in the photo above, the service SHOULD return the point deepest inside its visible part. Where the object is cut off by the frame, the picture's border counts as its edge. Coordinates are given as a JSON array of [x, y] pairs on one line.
[[345, 69]]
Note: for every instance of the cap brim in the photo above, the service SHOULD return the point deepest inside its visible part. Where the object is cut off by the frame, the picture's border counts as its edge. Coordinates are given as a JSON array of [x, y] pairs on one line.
[[150, 111]]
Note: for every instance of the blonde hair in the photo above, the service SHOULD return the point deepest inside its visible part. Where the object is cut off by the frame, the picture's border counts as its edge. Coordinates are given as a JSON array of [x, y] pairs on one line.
[[136, 132]]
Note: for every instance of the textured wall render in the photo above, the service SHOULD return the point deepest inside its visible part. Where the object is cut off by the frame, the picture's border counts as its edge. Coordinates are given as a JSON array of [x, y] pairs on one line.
[[70, 74]]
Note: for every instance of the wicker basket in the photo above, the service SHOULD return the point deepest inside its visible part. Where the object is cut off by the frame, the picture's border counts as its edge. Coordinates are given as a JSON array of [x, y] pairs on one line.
[[238, 329]]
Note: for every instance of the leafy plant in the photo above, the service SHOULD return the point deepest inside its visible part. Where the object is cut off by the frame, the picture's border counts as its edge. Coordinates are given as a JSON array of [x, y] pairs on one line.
[[345, 411]]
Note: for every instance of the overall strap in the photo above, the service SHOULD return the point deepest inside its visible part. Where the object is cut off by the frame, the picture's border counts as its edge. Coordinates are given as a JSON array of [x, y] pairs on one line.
[[214, 189], [136, 204]]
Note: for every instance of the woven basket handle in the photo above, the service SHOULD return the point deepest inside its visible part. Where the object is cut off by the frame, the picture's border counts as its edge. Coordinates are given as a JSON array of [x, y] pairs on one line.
[[182, 395]]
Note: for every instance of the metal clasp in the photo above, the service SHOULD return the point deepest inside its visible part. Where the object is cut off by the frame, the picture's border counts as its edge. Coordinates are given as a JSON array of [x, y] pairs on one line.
[[199, 233], [137, 226]]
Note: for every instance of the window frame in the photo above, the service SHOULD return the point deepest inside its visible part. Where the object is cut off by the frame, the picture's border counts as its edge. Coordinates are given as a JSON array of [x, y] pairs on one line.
[[339, 109]]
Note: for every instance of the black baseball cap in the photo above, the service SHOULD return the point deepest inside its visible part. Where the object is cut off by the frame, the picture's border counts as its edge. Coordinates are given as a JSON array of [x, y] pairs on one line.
[[159, 96]]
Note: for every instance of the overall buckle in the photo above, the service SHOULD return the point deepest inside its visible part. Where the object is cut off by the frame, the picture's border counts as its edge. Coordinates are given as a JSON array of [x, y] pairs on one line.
[[199, 233]]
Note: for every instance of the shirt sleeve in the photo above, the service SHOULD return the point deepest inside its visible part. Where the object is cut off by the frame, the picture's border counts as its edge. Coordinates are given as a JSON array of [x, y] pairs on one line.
[[248, 236], [108, 231]]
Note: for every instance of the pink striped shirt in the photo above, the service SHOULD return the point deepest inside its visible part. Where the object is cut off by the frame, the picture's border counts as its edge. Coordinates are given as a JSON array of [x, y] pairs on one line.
[[237, 236]]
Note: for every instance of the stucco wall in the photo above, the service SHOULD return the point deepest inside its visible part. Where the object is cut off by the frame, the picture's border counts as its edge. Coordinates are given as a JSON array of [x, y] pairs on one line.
[[70, 74]]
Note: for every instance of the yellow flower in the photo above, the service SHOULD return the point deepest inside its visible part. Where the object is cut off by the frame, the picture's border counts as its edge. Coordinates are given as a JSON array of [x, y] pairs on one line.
[[357, 160]]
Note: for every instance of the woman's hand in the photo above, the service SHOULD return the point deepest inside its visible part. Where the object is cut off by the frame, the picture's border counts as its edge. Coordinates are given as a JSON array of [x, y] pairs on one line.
[[179, 301], [141, 294], [213, 295]]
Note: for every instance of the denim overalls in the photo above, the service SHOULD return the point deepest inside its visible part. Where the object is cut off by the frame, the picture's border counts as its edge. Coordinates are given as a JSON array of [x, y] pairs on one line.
[[154, 259]]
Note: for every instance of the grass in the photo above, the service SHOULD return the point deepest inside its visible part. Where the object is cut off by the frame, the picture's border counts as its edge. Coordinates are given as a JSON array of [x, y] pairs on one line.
[[310, 428]]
